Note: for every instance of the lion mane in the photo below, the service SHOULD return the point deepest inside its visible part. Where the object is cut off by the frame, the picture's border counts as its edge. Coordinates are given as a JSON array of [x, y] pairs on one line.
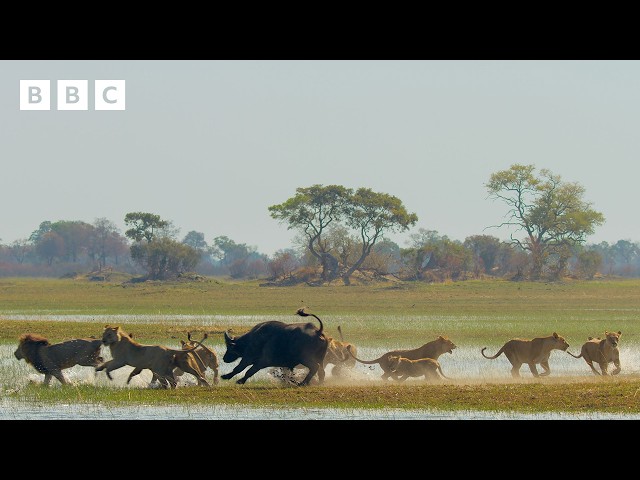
[[50, 359], [531, 352]]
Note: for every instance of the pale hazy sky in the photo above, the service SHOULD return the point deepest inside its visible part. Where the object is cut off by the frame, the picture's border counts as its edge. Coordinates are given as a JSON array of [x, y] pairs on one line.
[[211, 144]]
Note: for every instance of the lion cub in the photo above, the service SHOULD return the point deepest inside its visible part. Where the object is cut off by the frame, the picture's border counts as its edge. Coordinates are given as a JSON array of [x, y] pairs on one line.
[[422, 367], [602, 351]]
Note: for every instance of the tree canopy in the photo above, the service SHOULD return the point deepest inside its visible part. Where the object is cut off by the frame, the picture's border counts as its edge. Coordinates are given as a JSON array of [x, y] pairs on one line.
[[551, 213], [370, 214]]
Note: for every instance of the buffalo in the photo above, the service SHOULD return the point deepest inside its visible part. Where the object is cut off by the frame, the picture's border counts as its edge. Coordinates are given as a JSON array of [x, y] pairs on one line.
[[278, 344]]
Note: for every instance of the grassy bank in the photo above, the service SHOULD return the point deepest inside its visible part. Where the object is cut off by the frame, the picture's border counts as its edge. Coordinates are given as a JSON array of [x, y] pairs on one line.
[[470, 313]]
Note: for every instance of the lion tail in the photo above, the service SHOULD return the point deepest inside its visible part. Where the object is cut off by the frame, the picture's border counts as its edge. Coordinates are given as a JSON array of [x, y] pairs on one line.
[[367, 362], [340, 332], [574, 356], [495, 356]]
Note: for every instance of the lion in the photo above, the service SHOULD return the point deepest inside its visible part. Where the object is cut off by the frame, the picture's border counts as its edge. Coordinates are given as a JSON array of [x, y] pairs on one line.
[[159, 359], [602, 351], [432, 349], [202, 355], [338, 355], [405, 368], [531, 352], [51, 359]]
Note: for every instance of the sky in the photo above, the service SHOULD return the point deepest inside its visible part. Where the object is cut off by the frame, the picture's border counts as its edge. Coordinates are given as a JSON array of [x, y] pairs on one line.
[[210, 144]]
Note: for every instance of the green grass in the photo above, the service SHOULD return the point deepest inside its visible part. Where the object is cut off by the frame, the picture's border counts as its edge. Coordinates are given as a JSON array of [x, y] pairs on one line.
[[589, 394], [487, 312]]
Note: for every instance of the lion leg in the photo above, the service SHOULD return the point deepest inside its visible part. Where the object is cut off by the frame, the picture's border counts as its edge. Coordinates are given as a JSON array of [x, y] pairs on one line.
[[109, 366], [534, 370], [199, 376], [515, 370], [546, 368], [590, 363], [135, 372], [604, 368], [618, 368], [216, 379]]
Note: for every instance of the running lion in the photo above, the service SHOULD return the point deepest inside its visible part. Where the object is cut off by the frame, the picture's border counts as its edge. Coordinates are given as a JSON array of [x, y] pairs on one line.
[[51, 359]]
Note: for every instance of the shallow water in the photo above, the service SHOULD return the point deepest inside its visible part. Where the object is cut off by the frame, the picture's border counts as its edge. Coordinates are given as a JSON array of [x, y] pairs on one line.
[[13, 410], [464, 364]]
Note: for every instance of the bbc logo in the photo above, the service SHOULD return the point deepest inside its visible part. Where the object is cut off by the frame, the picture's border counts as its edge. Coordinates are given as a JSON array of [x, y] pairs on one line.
[[72, 95]]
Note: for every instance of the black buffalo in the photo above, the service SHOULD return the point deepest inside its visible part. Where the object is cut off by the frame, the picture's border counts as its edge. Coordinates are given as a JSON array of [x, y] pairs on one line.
[[278, 344]]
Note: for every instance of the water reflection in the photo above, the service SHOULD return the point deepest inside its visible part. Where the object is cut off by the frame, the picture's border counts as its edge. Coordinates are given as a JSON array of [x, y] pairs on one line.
[[15, 410]]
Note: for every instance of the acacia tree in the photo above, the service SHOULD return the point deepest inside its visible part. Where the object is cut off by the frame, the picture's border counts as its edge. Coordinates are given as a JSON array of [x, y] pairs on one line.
[[552, 213], [313, 209], [310, 211], [160, 255], [143, 225], [372, 214]]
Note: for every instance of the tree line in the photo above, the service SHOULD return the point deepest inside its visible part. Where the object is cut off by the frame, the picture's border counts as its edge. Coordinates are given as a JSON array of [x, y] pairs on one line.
[[342, 233]]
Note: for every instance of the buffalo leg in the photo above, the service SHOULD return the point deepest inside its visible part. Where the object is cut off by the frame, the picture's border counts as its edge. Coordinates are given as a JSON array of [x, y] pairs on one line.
[[250, 373], [236, 370]]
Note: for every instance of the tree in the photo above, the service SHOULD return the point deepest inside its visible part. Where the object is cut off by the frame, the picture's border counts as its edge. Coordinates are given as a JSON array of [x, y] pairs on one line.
[[589, 261], [313, 209], [49, 246], [372, 214], [76, 235], [19, 249], [283, 264], [143, 225], [310, 211], [164, 258], [239, 259], [44, 227], [195, 240], [106, 241], [485, 249], [551, 213]]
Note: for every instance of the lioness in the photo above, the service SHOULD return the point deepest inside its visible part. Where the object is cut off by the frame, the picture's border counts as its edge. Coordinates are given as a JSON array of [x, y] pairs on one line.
[[531, 352], [432, 349], [405, 368], [52, 359], [202, 355], [602, 351], [157, 358], [338, 355]]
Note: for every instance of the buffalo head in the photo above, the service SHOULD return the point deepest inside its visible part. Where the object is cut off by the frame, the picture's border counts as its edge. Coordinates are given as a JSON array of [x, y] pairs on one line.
[[232, 353]]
